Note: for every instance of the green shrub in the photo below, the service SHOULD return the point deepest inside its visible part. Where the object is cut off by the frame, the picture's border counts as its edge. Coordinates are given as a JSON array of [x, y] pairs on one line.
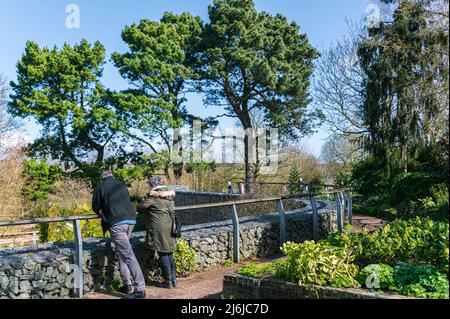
[[40, 179], [184, 258], [436, 205], [369, 178], [413, 241], [294, 185], [379, 276], [318, 264], [260, 270], [419, 192], [227, 262], [409, 187], [58, 232], [114, 285], [316, 185], [133, 173], [409, 280], [420, 281], [343, 179]]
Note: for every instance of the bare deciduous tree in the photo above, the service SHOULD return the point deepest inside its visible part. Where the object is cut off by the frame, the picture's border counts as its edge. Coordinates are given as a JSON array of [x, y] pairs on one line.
[[7, 123], [338, 85]]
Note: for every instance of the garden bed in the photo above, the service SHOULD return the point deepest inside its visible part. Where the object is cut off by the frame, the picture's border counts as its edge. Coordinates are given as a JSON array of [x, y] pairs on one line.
[[403, 259], [245, 287]]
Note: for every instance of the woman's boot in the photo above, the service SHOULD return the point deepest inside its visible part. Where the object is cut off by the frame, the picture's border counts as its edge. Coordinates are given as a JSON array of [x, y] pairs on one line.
[[166, 271], [173, 270]]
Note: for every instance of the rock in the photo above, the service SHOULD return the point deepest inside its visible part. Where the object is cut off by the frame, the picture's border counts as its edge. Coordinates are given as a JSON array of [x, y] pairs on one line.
[[64, 267], [61, 278], [24, 286], [193, 243], [38, 284], [64, 292], [39, 275], [13, 285], [51, 286], [29, 264], [222, 239], [4, 282], [49, 272]]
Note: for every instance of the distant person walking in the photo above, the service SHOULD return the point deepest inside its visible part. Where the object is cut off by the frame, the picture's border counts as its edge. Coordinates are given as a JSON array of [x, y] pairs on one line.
[[157, 209], [111, 201], [230, 188]]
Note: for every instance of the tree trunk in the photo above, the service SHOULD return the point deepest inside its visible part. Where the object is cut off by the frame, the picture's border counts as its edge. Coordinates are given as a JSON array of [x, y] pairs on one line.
[[249, 161], [178, 148]]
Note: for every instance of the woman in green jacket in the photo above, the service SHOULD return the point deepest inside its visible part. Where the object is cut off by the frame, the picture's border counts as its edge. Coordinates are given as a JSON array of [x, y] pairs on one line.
[[157, 210]]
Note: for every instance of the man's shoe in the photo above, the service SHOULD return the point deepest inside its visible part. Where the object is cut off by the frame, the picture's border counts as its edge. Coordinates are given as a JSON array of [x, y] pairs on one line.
[[137, 295], [174, 283], [127, 289]]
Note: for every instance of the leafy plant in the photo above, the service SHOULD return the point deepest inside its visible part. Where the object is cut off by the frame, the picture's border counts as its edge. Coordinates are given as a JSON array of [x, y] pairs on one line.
[[421, 281], [227, 262], [382, 274], [40, 179], [185, 258], [260, 270], [318, 264], [294, 181], [57, 232], [133, 173], [114, 285], [413, 241]]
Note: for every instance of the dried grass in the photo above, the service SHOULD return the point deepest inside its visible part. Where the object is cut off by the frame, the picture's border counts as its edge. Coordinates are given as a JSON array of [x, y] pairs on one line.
[[12, 205], [70, 193]]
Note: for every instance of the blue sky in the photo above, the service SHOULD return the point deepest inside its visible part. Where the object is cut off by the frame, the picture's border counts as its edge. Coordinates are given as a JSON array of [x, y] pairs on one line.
[[43, 21]]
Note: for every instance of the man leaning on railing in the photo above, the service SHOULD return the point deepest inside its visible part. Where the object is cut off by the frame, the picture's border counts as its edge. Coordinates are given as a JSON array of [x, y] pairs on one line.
[[111, 201]]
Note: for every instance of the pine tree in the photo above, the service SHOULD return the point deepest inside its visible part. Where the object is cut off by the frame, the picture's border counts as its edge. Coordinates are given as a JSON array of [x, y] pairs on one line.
[[294, 181]]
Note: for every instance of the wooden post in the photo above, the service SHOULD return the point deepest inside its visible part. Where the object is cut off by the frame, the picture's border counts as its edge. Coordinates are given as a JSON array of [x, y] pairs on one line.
[[315, 219], [339, 211], [282, 219], [78, 281], [236, 232], [350, 208]]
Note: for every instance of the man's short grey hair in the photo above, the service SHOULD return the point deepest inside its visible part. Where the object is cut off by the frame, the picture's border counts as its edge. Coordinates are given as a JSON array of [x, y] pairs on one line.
[[106, 174]]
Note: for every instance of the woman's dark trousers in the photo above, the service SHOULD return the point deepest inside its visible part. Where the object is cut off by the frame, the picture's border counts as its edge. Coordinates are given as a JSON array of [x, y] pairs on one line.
[[169, 270]]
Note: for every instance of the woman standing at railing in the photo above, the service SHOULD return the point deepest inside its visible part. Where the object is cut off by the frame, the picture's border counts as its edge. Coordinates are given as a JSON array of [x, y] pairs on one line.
[[157, 210]]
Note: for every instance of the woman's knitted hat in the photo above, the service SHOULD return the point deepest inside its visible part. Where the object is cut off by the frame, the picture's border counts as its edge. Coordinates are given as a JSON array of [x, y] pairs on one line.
[[155, 181]]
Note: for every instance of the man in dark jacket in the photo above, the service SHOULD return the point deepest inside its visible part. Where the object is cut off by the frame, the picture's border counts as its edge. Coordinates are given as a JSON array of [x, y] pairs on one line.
[[111, 201]]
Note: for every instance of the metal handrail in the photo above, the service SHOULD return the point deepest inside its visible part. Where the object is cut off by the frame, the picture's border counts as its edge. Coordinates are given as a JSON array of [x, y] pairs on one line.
[[285, 183], [340, 203], [46, 220]]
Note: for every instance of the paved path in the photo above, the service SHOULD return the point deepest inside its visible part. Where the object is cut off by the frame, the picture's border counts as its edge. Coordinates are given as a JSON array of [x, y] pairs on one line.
[[202, 285], [368, 223], [208, 284]]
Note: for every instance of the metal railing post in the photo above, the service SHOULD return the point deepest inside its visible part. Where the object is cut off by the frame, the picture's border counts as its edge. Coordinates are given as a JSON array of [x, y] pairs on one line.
[[236, 232], [282, 219], [315, 219], [344, 206], [339, 211], [350, 208], [78, 280]]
